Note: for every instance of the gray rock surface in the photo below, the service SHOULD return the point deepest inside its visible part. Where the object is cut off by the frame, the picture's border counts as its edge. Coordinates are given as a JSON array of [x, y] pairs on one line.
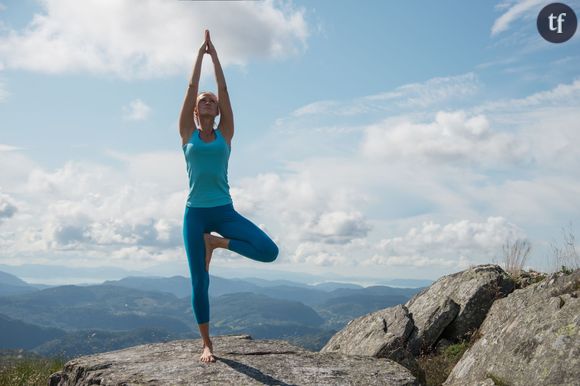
[[373, 334], [240, 360], [430, 321], [456, 304], [380, 334], [531, 337]]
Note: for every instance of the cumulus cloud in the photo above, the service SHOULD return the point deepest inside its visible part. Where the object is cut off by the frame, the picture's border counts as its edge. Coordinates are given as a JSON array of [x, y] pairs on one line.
[[450, 245], [142, 39], [137, 110], [337, 227], [308, 210], [453, 137], [7, 207], [97, 210]]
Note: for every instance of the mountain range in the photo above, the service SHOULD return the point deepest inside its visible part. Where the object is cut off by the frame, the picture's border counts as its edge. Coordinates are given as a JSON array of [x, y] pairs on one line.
[[71, 320]]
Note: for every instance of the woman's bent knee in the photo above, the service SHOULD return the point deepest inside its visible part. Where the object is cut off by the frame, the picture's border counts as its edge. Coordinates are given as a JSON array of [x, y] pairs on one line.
[[271, 253]]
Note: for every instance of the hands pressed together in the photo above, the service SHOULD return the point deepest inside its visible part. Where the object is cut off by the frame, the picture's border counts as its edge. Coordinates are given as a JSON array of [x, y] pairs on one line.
[[207, 47]]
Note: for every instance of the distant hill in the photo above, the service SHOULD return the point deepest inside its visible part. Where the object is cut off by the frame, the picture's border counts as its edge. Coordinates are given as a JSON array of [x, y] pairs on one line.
[[8, 278], [331, 286], [12, 284], [408, 283], [246, 308], [106, 307], [95, 341], [18, 334], [272, 283], [181, 286]]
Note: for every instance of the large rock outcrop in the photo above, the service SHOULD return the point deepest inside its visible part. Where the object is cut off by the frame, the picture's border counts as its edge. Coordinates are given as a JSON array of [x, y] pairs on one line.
[[451, 307], [531, 337], [240, 360], [456, 305], [380, 334]]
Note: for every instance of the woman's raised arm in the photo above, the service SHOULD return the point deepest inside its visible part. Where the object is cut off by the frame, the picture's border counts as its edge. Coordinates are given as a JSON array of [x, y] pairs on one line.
[[186, 121], [226, 124]]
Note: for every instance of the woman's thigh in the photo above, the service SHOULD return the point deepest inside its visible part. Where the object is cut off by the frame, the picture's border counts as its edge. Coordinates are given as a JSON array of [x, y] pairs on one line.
[[194, 226], [246, 237]]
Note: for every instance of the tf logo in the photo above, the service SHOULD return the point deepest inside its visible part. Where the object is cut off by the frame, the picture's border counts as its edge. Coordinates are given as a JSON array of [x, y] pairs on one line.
[[557, 22]]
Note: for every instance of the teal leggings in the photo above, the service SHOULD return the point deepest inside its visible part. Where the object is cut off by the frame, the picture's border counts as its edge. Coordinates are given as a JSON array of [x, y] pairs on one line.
[[245, 238]]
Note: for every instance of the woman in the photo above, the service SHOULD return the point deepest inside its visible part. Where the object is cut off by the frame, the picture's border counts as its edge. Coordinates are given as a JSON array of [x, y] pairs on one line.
[[209, 206]]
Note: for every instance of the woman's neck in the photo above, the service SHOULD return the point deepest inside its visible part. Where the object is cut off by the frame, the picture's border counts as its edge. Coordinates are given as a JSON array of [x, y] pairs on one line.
[[206, 124]]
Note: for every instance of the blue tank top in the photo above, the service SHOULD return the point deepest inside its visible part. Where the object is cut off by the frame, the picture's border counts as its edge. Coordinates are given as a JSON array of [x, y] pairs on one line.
[[207, 169]]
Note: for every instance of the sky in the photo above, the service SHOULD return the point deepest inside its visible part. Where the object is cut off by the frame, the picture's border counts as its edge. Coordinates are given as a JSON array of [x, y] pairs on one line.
[[375, 139]]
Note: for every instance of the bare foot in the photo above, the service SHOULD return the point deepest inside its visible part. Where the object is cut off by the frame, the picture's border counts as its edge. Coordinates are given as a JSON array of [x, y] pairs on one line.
[[209, 247], [207, 355]]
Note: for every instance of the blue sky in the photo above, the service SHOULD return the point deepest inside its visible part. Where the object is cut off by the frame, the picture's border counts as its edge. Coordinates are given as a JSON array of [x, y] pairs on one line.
[[377, 140]]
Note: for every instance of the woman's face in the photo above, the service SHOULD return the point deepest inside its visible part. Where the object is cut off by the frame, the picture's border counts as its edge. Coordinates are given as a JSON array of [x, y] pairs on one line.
[[207, 104]]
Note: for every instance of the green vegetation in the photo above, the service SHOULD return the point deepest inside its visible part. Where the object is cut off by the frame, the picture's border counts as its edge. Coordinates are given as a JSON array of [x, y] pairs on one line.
[[29, 371], [438, 366]]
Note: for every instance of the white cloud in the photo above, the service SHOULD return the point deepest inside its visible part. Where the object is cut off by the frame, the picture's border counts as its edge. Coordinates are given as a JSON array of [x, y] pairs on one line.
[[90, 209], [436, 209], [434, 244], [337, 227], [560, 95], [4, 147], [460, 235], [136, 111], [308, 209], [7, 207], [516, 11], [434, 91], [142, 39], [454, 137]]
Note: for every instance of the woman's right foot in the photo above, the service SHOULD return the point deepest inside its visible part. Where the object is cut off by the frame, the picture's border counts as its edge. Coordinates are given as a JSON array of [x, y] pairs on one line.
[[207, 355]]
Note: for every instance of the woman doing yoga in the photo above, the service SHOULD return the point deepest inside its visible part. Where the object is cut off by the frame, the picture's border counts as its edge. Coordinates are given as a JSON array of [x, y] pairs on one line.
[[209, 206]]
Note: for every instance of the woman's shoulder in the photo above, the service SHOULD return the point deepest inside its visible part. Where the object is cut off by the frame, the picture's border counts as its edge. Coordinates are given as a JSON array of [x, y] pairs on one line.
[[225, 137], [186, 136]]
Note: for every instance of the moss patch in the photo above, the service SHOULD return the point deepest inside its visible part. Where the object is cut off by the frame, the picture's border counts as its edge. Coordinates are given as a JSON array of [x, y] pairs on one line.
[[437, 367]]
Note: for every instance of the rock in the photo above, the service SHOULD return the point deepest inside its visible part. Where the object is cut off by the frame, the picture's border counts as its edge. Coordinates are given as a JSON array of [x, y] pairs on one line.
[[240, 360], [526, 278], [373, 334], [430, 321], [531, 337], [451, 307], [380, 334], [455, 305]]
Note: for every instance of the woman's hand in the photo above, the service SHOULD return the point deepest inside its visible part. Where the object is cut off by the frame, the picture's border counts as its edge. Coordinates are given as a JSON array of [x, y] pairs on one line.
[[210, 47], [204, 48]]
